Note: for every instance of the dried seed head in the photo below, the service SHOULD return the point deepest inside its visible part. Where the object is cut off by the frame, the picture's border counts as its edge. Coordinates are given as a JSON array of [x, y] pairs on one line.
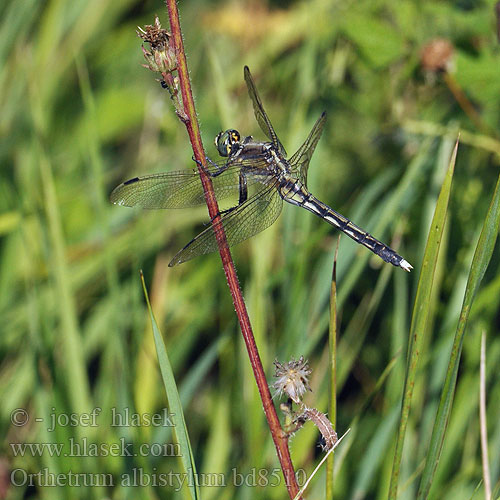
[[161, 57], [292, 378], [437, 55]]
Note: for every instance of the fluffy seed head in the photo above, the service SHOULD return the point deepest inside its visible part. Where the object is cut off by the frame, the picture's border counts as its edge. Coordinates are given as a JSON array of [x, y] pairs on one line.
[[292, 378]]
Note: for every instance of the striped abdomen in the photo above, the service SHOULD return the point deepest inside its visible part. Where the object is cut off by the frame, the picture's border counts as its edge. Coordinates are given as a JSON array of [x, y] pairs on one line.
[[294, 192]]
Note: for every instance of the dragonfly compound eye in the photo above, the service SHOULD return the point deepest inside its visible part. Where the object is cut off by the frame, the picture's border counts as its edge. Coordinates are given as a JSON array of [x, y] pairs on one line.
[[235, 136], [225, 140]]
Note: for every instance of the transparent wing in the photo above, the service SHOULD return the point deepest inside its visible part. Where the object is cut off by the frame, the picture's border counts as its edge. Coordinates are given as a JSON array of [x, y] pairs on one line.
[[181, 189], [246, 220], [299, 162], [260, 114]]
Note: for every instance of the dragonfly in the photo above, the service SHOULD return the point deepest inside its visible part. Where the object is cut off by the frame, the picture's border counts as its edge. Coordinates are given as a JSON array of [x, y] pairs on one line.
[[257, 174]]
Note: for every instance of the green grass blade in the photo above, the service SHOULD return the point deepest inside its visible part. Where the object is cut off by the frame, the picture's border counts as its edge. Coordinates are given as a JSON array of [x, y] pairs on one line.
[[420, 314], [174, 404], [480, 261]]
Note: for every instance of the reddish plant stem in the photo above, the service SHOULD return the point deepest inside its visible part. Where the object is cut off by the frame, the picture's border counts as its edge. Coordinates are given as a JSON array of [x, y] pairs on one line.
[[279, 437]]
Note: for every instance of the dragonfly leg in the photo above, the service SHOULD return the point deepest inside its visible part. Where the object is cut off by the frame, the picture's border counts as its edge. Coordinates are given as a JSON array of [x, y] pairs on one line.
[[243, 188], [220, 213], [218, 168], [242, 198], [209, 160]]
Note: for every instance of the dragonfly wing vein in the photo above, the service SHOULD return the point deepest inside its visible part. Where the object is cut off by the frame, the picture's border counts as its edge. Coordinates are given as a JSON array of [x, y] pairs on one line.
[[260, 114], [180, 189], [299, 162], [245, 221]]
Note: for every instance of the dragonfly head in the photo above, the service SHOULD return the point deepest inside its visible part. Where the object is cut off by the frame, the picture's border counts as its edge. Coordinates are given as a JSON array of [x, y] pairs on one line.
[[226, 141]]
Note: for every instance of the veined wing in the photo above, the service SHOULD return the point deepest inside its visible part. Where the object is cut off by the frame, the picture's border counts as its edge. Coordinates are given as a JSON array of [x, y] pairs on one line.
[[182, 188], [299, 162], [246, 220], [260, 114]]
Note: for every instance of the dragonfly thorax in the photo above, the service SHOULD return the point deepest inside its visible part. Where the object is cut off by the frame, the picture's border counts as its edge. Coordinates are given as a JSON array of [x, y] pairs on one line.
[[225, 142]]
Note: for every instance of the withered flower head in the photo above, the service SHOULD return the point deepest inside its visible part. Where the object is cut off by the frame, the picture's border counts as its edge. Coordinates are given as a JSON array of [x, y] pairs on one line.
[[161, 57], [437, 55], [292, 378]]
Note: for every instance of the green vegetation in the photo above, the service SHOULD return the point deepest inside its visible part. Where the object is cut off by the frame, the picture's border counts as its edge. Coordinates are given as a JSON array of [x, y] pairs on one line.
[[78, 115]]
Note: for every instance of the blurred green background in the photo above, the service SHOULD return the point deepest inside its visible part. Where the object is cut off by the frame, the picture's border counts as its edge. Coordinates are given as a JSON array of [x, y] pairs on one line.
[[78, 115]]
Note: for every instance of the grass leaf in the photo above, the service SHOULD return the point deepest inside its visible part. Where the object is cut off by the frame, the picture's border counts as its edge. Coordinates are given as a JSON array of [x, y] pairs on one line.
[[420, 314], [174, 405], [480, 261]]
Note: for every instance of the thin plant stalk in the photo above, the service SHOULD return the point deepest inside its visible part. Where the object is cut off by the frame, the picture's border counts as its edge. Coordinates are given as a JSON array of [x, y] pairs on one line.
[[279, 437], [332, 410], [482, 419]]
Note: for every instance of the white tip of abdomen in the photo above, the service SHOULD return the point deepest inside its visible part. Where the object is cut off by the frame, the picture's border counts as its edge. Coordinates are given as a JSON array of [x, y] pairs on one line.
[[405, 265]]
